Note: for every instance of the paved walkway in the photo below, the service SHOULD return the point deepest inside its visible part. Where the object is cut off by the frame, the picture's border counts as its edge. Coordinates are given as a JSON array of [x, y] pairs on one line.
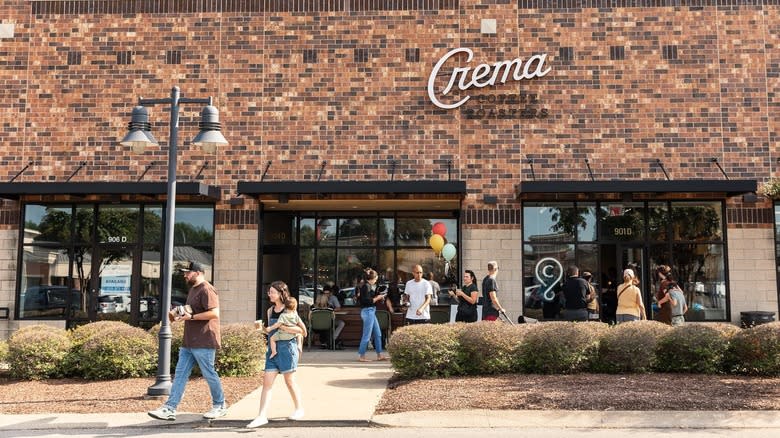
[[339, 391]]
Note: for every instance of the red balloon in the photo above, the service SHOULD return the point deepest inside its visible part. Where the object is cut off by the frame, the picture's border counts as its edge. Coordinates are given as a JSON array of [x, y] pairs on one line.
[[440, 229]]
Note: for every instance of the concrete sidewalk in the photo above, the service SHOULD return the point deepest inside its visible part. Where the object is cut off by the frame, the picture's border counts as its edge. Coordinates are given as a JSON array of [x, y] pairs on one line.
[[337, 390]]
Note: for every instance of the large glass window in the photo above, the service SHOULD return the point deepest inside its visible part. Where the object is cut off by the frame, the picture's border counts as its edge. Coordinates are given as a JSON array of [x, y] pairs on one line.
[[102, 261], [336, 250], [686, 235]]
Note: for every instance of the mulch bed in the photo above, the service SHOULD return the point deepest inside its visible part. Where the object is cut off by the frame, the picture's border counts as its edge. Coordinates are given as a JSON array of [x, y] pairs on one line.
[[692, 392]]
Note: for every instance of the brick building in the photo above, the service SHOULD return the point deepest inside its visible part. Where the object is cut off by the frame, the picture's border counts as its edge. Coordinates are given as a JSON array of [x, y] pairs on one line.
[[602, 133]]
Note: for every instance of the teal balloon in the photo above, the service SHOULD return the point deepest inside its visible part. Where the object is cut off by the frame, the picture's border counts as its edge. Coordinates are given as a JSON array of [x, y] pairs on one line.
[[448, 252]]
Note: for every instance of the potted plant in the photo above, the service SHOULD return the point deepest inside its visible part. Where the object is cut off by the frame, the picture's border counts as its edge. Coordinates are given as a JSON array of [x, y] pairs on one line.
[[770, 189]]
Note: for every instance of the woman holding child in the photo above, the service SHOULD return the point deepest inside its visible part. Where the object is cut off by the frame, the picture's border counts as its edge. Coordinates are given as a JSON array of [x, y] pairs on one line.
[[285, 361]]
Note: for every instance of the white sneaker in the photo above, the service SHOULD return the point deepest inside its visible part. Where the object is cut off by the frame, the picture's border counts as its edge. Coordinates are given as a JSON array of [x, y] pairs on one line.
[[164, 412], [296, 415], [257, 422], [216, 412]]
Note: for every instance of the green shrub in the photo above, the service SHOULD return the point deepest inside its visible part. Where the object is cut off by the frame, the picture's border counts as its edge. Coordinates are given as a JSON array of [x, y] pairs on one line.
[[37, 352], [120, 353], [559, 347], [692, 348], [242, 352], [177, 339], [426, 350], [489, 347], [80, 335], [629, 347], [3, 352], [755, 351]]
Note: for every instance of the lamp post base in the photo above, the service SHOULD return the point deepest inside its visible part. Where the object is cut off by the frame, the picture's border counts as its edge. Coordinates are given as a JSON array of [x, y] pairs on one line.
[[160, 388]]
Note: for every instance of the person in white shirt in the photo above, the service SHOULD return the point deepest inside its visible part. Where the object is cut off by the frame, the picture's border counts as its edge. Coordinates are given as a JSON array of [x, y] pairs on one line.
[[418, 292]]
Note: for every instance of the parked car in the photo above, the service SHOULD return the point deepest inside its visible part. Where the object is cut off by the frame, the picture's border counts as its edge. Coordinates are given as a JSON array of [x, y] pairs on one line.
[[46, 300], [113, 303]]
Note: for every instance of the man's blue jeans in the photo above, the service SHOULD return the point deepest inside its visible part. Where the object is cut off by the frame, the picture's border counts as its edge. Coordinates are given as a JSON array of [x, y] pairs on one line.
[[187, 358]]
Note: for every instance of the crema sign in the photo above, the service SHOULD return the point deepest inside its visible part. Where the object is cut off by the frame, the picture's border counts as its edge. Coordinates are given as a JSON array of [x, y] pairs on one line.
[[466, 78]]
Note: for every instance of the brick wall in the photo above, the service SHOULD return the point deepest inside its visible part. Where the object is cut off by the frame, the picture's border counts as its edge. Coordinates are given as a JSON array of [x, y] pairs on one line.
[[345, 81]]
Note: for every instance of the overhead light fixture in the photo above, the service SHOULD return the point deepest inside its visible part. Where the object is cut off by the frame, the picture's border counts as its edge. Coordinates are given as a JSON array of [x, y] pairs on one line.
[[353, 223], [209, 136], [140, 131], [323, 223]]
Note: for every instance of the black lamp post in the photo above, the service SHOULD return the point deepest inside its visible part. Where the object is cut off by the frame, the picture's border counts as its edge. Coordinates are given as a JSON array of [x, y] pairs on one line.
[[138, 138]]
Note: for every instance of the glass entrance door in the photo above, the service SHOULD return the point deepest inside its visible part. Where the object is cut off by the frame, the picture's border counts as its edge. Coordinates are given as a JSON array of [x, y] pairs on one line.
[[614, 259], [281, 264]]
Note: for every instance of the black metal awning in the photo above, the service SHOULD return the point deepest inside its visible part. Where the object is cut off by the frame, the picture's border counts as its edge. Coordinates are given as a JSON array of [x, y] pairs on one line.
[[346, 195], [702, 186], [16, 190], [253, 188]]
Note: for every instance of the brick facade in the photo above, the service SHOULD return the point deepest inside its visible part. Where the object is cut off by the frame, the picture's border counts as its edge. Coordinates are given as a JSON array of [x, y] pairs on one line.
[[344, 81]]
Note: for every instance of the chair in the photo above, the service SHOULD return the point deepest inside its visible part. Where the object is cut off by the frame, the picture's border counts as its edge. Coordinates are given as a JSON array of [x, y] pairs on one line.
[[439, 316], [323, 319], [385, 325]]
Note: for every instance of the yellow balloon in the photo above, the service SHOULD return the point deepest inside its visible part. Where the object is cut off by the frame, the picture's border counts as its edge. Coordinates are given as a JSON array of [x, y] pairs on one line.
[[436, 242]]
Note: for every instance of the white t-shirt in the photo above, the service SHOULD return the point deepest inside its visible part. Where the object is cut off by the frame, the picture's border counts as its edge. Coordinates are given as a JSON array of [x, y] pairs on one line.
[[417, 290]]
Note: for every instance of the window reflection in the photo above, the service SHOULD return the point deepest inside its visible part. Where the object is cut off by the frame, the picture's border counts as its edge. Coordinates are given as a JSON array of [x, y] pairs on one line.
[[47, 225], [357, 232], [553, 234], [697, 221], [701, 273], [59, 244], [336, 251], [45, 290]]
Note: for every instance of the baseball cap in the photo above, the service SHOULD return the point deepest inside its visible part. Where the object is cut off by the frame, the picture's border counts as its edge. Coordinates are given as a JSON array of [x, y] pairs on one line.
[[192, 266]]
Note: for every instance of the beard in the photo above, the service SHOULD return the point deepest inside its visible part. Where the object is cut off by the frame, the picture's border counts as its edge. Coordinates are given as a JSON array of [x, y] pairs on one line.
[[191, 281]]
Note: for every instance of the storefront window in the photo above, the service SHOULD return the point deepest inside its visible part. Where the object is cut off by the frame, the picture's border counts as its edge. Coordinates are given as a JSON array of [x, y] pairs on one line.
[[700, 270], [81, 262], [544, 269], [337, 250], [629, 233]]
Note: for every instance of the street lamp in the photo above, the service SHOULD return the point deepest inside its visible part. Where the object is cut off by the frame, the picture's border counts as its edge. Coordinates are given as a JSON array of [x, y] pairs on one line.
[[138, 138]]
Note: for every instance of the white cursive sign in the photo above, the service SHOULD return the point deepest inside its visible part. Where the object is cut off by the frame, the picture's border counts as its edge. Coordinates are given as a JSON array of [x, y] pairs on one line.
[[483, 74]]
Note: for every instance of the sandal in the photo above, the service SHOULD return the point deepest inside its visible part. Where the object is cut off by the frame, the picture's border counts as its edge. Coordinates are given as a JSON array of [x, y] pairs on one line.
[[363, 359], [383, 358]]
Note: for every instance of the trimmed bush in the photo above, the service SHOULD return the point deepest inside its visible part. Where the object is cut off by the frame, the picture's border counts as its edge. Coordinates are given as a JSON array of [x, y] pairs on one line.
[[426, 350], [559, 347], [755, 351], [37, 352], [726, 330], [80, 335], [242, 352], [629, 347], [692, 348], [489, 347], [120, 353]]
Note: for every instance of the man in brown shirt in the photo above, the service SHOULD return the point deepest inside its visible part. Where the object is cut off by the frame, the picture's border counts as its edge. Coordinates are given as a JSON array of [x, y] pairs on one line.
[[201, 340]]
